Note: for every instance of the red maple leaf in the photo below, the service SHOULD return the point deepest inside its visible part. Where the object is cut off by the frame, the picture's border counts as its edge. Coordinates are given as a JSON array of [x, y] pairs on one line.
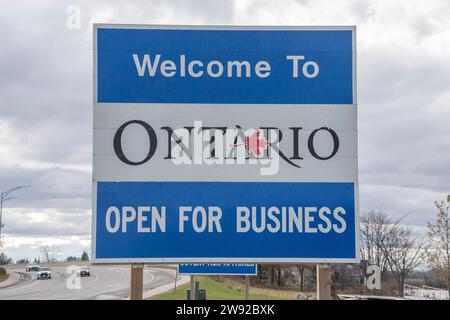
[[255, 145]]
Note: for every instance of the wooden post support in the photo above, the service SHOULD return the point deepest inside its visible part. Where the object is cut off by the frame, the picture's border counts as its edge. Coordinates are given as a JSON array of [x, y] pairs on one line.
[[137, 280], [323, 282], [193, 288], [247, 288]]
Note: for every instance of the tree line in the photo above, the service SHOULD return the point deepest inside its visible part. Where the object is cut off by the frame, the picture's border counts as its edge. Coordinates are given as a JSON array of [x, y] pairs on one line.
[[387, 243]]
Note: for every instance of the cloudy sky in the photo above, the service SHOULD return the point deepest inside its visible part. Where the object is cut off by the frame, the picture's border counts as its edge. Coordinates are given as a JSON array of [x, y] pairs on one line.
[[46, 103]]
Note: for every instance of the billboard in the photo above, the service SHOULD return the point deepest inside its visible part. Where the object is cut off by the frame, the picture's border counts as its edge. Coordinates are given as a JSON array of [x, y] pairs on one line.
[[224, 144], [218, 269]]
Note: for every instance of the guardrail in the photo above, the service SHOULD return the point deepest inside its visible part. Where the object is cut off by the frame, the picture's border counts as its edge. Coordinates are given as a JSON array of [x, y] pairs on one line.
[[425, 292]]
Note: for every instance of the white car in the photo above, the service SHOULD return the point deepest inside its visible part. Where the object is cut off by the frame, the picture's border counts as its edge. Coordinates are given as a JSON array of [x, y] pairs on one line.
[[32, 267], [44, 273]]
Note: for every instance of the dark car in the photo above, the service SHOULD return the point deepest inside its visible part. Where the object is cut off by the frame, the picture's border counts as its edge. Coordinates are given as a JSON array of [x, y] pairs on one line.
[[84, 272]]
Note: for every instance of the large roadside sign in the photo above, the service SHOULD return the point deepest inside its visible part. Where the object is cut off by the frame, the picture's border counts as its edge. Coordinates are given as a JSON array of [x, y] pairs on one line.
[[225, 145], [236, 269]]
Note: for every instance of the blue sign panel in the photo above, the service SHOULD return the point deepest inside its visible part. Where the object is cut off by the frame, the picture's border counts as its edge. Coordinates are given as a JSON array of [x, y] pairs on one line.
[[224, 145], [218, 269], [229, 220], [225, 66]]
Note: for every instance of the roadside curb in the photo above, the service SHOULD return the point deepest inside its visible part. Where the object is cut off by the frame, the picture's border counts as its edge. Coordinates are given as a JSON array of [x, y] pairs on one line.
[[167, 287], [181, 280], [13, 278]]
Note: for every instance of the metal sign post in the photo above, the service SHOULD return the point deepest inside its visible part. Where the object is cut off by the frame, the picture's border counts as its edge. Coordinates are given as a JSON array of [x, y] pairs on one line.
[[175, 284], [247, 288], [193, 289]]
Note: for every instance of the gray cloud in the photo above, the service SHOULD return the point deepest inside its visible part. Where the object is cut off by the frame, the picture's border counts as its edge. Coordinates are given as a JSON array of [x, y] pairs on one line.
[[38, 223], [46, 104], [46, 185]]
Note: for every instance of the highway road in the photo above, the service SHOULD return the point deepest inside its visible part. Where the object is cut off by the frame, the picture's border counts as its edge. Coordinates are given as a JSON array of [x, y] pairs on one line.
[[105, 283]]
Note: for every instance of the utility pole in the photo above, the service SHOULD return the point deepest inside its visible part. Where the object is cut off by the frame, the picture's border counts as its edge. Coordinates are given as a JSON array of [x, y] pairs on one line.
[[5, 196]]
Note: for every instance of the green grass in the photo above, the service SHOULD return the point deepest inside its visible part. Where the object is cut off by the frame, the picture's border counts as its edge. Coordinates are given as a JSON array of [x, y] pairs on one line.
[[3, 277], [215, 290]]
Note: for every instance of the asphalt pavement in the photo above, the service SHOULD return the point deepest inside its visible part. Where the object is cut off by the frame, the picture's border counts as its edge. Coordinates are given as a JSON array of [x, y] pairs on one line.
[[105, 282]]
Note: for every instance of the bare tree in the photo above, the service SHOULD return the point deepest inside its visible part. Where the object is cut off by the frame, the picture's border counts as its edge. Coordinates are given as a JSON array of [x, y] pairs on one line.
[[338, 276], [375, 228], [301, 272], [438, 253], [280, 278], [53, 253], [404, 252], [391, 246], [45, 251], [272, 275]]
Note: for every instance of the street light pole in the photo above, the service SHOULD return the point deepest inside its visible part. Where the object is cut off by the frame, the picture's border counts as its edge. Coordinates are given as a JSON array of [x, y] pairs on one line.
[[5, 196], [448, 235], [1, 210]]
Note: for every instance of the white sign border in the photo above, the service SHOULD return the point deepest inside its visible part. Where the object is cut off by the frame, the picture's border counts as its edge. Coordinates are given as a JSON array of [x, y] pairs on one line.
[[95, 260]]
